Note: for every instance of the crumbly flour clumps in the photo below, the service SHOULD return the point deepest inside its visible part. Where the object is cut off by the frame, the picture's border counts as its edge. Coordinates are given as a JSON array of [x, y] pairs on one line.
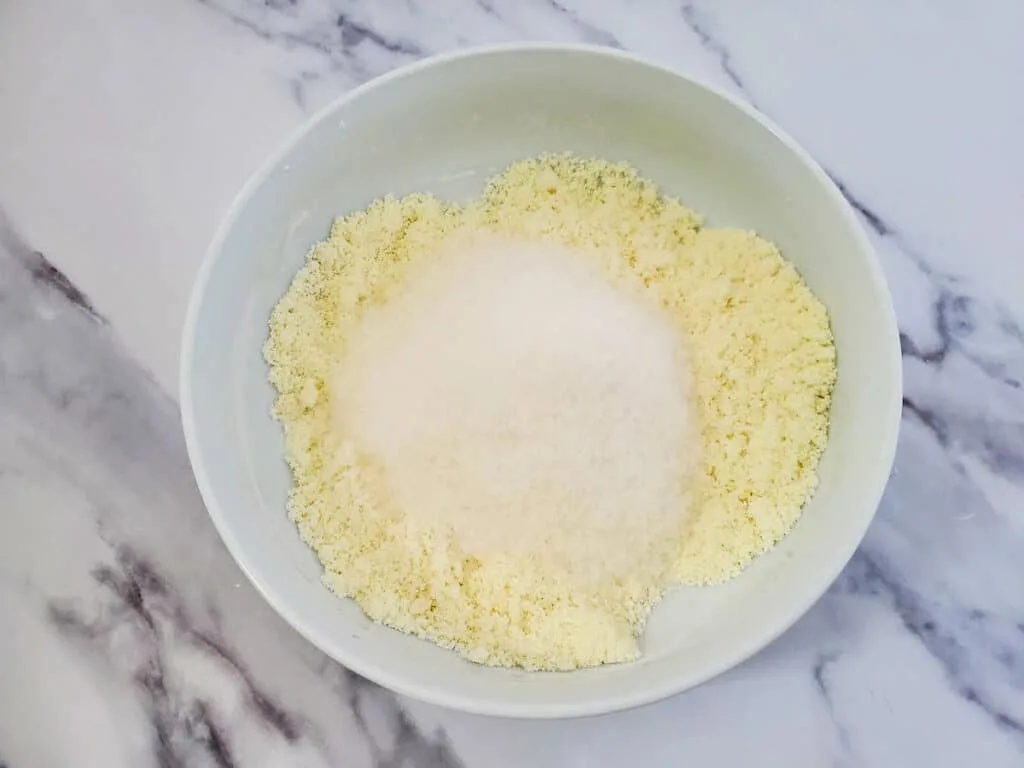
[[760, 353]]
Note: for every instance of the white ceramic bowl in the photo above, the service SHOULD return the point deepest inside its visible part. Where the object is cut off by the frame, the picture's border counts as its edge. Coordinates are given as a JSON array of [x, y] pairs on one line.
[[444, 125]]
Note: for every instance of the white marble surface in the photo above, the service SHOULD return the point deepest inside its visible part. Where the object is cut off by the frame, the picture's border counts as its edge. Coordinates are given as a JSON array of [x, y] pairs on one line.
[[130, 638]]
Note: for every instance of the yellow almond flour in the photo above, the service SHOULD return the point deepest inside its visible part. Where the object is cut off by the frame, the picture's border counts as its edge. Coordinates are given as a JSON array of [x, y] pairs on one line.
[[762, 360]]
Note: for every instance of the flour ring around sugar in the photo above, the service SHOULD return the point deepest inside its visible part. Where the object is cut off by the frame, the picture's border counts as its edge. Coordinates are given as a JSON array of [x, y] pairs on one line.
[[755, 372]]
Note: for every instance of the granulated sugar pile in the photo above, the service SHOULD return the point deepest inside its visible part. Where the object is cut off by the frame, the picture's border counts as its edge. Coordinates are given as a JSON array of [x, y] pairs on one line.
[[513, 424], [513, 395]]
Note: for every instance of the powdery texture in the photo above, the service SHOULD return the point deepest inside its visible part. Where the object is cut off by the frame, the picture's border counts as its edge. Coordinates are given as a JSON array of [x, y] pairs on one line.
[[517, 398], [762, 362]]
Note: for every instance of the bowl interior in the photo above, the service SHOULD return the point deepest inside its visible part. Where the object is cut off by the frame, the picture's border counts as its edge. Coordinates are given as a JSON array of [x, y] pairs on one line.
[[444, 127]]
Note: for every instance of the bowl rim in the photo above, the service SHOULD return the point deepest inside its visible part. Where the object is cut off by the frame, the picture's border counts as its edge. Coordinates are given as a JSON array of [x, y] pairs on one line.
[[670, 685]]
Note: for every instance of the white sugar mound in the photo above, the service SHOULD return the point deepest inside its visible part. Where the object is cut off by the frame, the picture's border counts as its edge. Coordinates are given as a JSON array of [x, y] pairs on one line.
[[518, 399]]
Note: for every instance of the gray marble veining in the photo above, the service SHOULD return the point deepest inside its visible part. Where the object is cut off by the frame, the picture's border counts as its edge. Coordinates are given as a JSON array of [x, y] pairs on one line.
[[118, 563], [131, 638]]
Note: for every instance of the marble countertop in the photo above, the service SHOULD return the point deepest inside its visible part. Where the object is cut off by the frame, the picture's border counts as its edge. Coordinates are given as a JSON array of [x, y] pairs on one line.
[[129, 636]]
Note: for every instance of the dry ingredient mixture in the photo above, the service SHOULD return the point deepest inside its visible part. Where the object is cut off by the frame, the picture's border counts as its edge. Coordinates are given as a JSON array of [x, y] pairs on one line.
[[396, 506], [513, 396]]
